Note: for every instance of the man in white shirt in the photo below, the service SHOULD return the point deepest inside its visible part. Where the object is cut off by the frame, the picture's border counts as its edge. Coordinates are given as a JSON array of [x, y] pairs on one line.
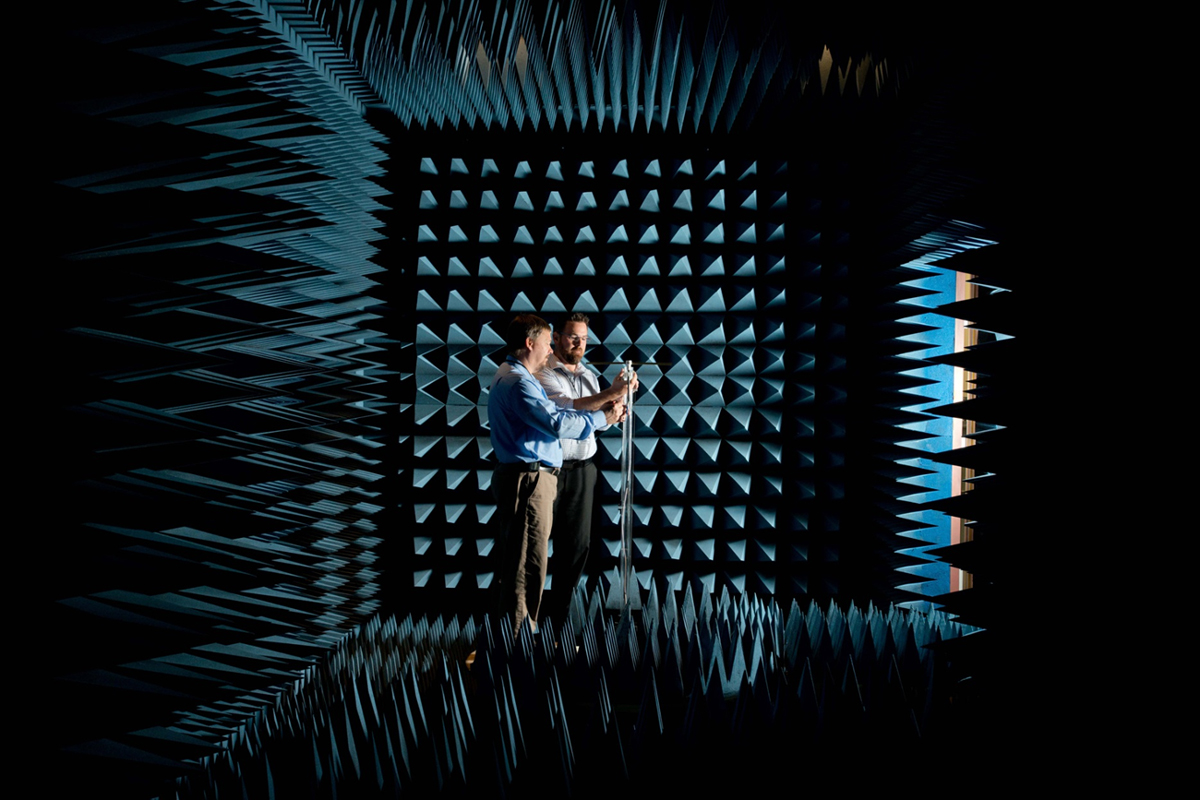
[[572, 385]]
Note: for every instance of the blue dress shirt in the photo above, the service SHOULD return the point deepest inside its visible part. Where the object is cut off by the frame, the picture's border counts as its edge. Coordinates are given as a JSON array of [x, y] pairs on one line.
[[526, 425]]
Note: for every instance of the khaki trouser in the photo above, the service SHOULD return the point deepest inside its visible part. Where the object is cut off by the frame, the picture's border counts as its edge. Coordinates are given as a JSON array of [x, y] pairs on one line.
[[525, 512]]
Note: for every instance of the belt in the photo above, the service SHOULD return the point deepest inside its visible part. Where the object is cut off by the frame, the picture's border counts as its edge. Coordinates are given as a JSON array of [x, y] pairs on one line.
[[530, 466], [575, 463]]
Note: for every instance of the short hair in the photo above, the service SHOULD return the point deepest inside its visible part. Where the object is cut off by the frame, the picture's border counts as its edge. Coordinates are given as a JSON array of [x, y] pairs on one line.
[[575, 316], [524, 326]]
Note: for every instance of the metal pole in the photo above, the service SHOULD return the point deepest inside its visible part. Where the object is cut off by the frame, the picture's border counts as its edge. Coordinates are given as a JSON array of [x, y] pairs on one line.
[[627, 488]]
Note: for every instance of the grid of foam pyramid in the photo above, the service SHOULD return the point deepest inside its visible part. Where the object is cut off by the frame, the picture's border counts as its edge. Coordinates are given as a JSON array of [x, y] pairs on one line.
[[723, 276]]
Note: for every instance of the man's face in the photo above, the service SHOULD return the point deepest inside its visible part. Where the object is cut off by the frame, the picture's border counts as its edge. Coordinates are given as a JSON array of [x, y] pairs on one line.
[[539, 349], [571, 342]]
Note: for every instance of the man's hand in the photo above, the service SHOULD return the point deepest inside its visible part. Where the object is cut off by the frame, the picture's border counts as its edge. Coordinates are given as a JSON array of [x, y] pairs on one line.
[[621, 382], [615, 411]]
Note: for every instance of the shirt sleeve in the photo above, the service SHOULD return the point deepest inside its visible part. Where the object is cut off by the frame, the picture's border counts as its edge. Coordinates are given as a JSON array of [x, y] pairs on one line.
[[555, 389], [542, 414]]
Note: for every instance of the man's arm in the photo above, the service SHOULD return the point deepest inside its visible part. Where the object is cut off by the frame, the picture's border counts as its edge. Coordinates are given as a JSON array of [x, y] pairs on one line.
[[541, 413], [597, 402]]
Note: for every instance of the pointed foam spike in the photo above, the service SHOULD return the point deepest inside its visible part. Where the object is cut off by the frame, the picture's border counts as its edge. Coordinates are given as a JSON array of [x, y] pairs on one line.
[[457, 303], [586, 303], [618, 266], [764, 518], [587, 201], [584, 267], [649, 266], [426, 303], [707, 547], [746, 338], [427, 166], [716, 235], [552, 267], [684, 201], [585, 235], [622, 169], [459, 166], [747, 267], [618, 235], [427, 200], [742, 479], [780, 202], [456, 234], [488, 200], [751, 202], [425, 267], [522, 269], [746, 303], [715, 303], [719, 169], [617, 335], [618, 302], [710, 415], [487, 302], [779, 300], [737, 547], [646, 446], [677, 445], [523, 170], [776, 234], [649, 303], [523, 236], [649, 236], [523, 203], [553, 303], [552, 235], [487, 234], [650, 202], [425, 234], [553, 201], [717, 336], [717, 267], [681, 267], [709, 480], [587, 169], [681, 303], [522, 303], [554, 171], [457, 268], [458, 199], [748, 235], [683, 336], [776, 335], [489, 168], [778, 267], [718, 201], [620, 201], [751, 170], [709, 447], [488, 269], [682, 235], [678, 478]]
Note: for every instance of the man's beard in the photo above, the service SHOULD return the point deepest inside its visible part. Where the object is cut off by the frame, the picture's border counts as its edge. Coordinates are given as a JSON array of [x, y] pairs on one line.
[[570, 357]]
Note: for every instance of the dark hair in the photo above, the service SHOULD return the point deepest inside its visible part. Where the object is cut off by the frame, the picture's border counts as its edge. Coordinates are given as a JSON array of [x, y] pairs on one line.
[[525, 326], [575, 316]]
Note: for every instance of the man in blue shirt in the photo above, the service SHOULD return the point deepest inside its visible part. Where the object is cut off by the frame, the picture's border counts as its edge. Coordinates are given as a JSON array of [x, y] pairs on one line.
[[526, 427]]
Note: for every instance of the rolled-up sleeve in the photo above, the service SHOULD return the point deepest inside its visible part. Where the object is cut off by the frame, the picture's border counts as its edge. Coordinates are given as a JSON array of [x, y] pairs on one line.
[[549, 416]]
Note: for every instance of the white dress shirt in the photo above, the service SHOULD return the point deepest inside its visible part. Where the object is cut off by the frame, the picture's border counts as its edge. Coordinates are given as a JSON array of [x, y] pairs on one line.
[[563, 387]]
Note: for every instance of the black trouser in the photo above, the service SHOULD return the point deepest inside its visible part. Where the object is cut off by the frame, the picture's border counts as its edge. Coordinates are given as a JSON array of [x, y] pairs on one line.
[[572, 536]]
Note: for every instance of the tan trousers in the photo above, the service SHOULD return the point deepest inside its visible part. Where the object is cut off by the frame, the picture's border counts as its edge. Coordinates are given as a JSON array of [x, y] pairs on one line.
[[525, 515]]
